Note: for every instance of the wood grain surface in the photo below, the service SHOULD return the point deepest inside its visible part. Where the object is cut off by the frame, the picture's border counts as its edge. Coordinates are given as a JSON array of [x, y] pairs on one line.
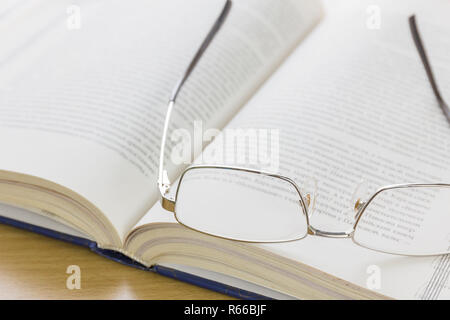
[[34, 267]]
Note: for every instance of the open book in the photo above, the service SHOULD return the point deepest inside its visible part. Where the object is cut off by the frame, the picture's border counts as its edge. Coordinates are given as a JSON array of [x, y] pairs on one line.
[[83, 100]]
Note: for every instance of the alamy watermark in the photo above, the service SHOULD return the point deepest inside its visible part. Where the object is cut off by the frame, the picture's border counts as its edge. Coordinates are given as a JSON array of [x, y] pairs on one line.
[[252, 147], [73, 281]]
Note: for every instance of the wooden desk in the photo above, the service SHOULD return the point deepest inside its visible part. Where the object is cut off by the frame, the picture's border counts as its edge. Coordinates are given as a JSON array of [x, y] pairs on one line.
[[34, 267]]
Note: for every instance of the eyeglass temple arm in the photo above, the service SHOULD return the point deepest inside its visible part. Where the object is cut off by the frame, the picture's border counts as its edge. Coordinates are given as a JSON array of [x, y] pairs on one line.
[[163, 179], [423, 55]]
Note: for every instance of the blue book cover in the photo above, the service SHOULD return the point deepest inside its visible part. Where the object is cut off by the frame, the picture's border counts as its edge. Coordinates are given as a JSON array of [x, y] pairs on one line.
[[119, 257]]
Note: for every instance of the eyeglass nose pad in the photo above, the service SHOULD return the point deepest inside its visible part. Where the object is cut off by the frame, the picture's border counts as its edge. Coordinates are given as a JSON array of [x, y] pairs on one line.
[[309, 192], [357, 200]]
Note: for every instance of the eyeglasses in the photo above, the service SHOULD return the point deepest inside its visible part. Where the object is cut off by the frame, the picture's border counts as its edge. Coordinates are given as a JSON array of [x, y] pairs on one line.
[[260, 207]]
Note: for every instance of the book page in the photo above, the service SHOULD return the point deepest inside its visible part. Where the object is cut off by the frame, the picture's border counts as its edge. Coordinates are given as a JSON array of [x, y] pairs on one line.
[[354, 107], [361, 114], [83, 96]]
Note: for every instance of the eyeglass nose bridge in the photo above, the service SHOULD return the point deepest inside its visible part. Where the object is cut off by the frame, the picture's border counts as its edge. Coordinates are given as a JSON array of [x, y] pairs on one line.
[[328, 234], [358, 207]]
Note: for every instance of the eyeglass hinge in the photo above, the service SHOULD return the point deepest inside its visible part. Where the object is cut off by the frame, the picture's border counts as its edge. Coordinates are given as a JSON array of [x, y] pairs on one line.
[[168, 204]]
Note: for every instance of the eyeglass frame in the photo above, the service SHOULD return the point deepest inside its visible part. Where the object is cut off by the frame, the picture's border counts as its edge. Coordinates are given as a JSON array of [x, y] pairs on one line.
[[359, 208], [169, 202]]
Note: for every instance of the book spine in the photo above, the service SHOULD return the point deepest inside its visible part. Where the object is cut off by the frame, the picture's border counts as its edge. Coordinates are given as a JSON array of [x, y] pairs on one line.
[[123, 259], [208, 284], [48, 232]]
